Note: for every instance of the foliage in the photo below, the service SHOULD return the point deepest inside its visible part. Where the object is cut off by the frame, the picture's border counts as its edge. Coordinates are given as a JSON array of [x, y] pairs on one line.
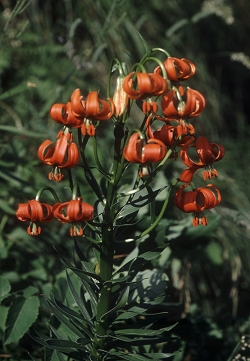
[[47, 51]]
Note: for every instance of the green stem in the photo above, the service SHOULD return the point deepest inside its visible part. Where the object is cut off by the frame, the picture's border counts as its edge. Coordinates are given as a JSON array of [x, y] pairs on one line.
[[51, 190], [157, 220], [100, 167], [107, 255]]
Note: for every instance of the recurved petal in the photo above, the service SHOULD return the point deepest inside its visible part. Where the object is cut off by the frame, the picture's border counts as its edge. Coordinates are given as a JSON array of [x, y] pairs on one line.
[[132, 152], [127, 87], [42, 155], [152, 153], [187, 160], [195, 103], [58, 113], [212, 196], [58, 156], [58, 210], [169, 105], [34, 211], [79, 211], [23, 212], [97, 108], [73, 156], [187, 175], [165, 134], [190, 201], [77, 104]]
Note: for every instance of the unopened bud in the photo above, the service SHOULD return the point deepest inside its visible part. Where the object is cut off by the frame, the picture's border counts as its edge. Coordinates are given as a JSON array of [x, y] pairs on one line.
[[120, 97]]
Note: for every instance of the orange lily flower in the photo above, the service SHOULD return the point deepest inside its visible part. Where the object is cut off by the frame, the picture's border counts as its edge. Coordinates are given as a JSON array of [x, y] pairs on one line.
[[62, 113], [177, 69], [197, 201], [93, 108], [208, 153], [168, 134], [147, 85], [137, 152], [34, 211], [64, 154], [73, 212], [174, 108]]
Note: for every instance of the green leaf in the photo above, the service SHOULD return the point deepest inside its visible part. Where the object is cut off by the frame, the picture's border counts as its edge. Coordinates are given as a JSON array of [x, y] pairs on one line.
[[78, 301], [131, 357], [22, 314], [11, 129], [136, 204], [131, 262], [4, 288], [88, 272], [67, 322], [65, 345], [140, 310], [92, 296], [29, 291], [3, 313], [146, 47], [73, 316], [122, 302], [143, 332], [143, 357]]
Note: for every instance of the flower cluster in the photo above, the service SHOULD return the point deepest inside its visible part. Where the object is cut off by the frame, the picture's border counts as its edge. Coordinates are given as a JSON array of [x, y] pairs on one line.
[[74, 212], [162, 98], [165, 99]]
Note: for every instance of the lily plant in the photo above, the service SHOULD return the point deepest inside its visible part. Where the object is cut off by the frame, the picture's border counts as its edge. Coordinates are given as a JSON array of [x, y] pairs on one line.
[[106, 323]]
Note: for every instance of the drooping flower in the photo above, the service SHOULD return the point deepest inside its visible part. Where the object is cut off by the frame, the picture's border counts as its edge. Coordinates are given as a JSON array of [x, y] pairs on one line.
[[75, 212], [62, 113], [64, 154], [208, 153], [137, 151], [91, 109], [34, 211], [177, 69], [144, 85], [169, 134], [178, 104], [196, 201]]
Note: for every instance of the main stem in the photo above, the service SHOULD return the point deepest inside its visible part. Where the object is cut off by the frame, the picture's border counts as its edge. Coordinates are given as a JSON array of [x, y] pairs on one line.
[[106, 259]]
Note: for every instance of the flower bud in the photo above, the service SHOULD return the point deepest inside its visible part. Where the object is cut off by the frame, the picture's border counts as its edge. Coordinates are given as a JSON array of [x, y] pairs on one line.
[[120, 97]]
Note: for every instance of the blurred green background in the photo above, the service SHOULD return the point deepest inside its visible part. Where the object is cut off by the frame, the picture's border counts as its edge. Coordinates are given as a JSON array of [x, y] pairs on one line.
[[47, 49]]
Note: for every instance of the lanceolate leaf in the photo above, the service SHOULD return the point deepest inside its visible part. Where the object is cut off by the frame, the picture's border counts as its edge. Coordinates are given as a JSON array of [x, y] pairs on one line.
[[80, 272], [92, 296], [22, 314], [122, 302], [137, 262], [139, 202], [78, 301], [144, 357], [143, 332], [141, 309], [146, 47], [65, 345], [65, 320], [73, 316]]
